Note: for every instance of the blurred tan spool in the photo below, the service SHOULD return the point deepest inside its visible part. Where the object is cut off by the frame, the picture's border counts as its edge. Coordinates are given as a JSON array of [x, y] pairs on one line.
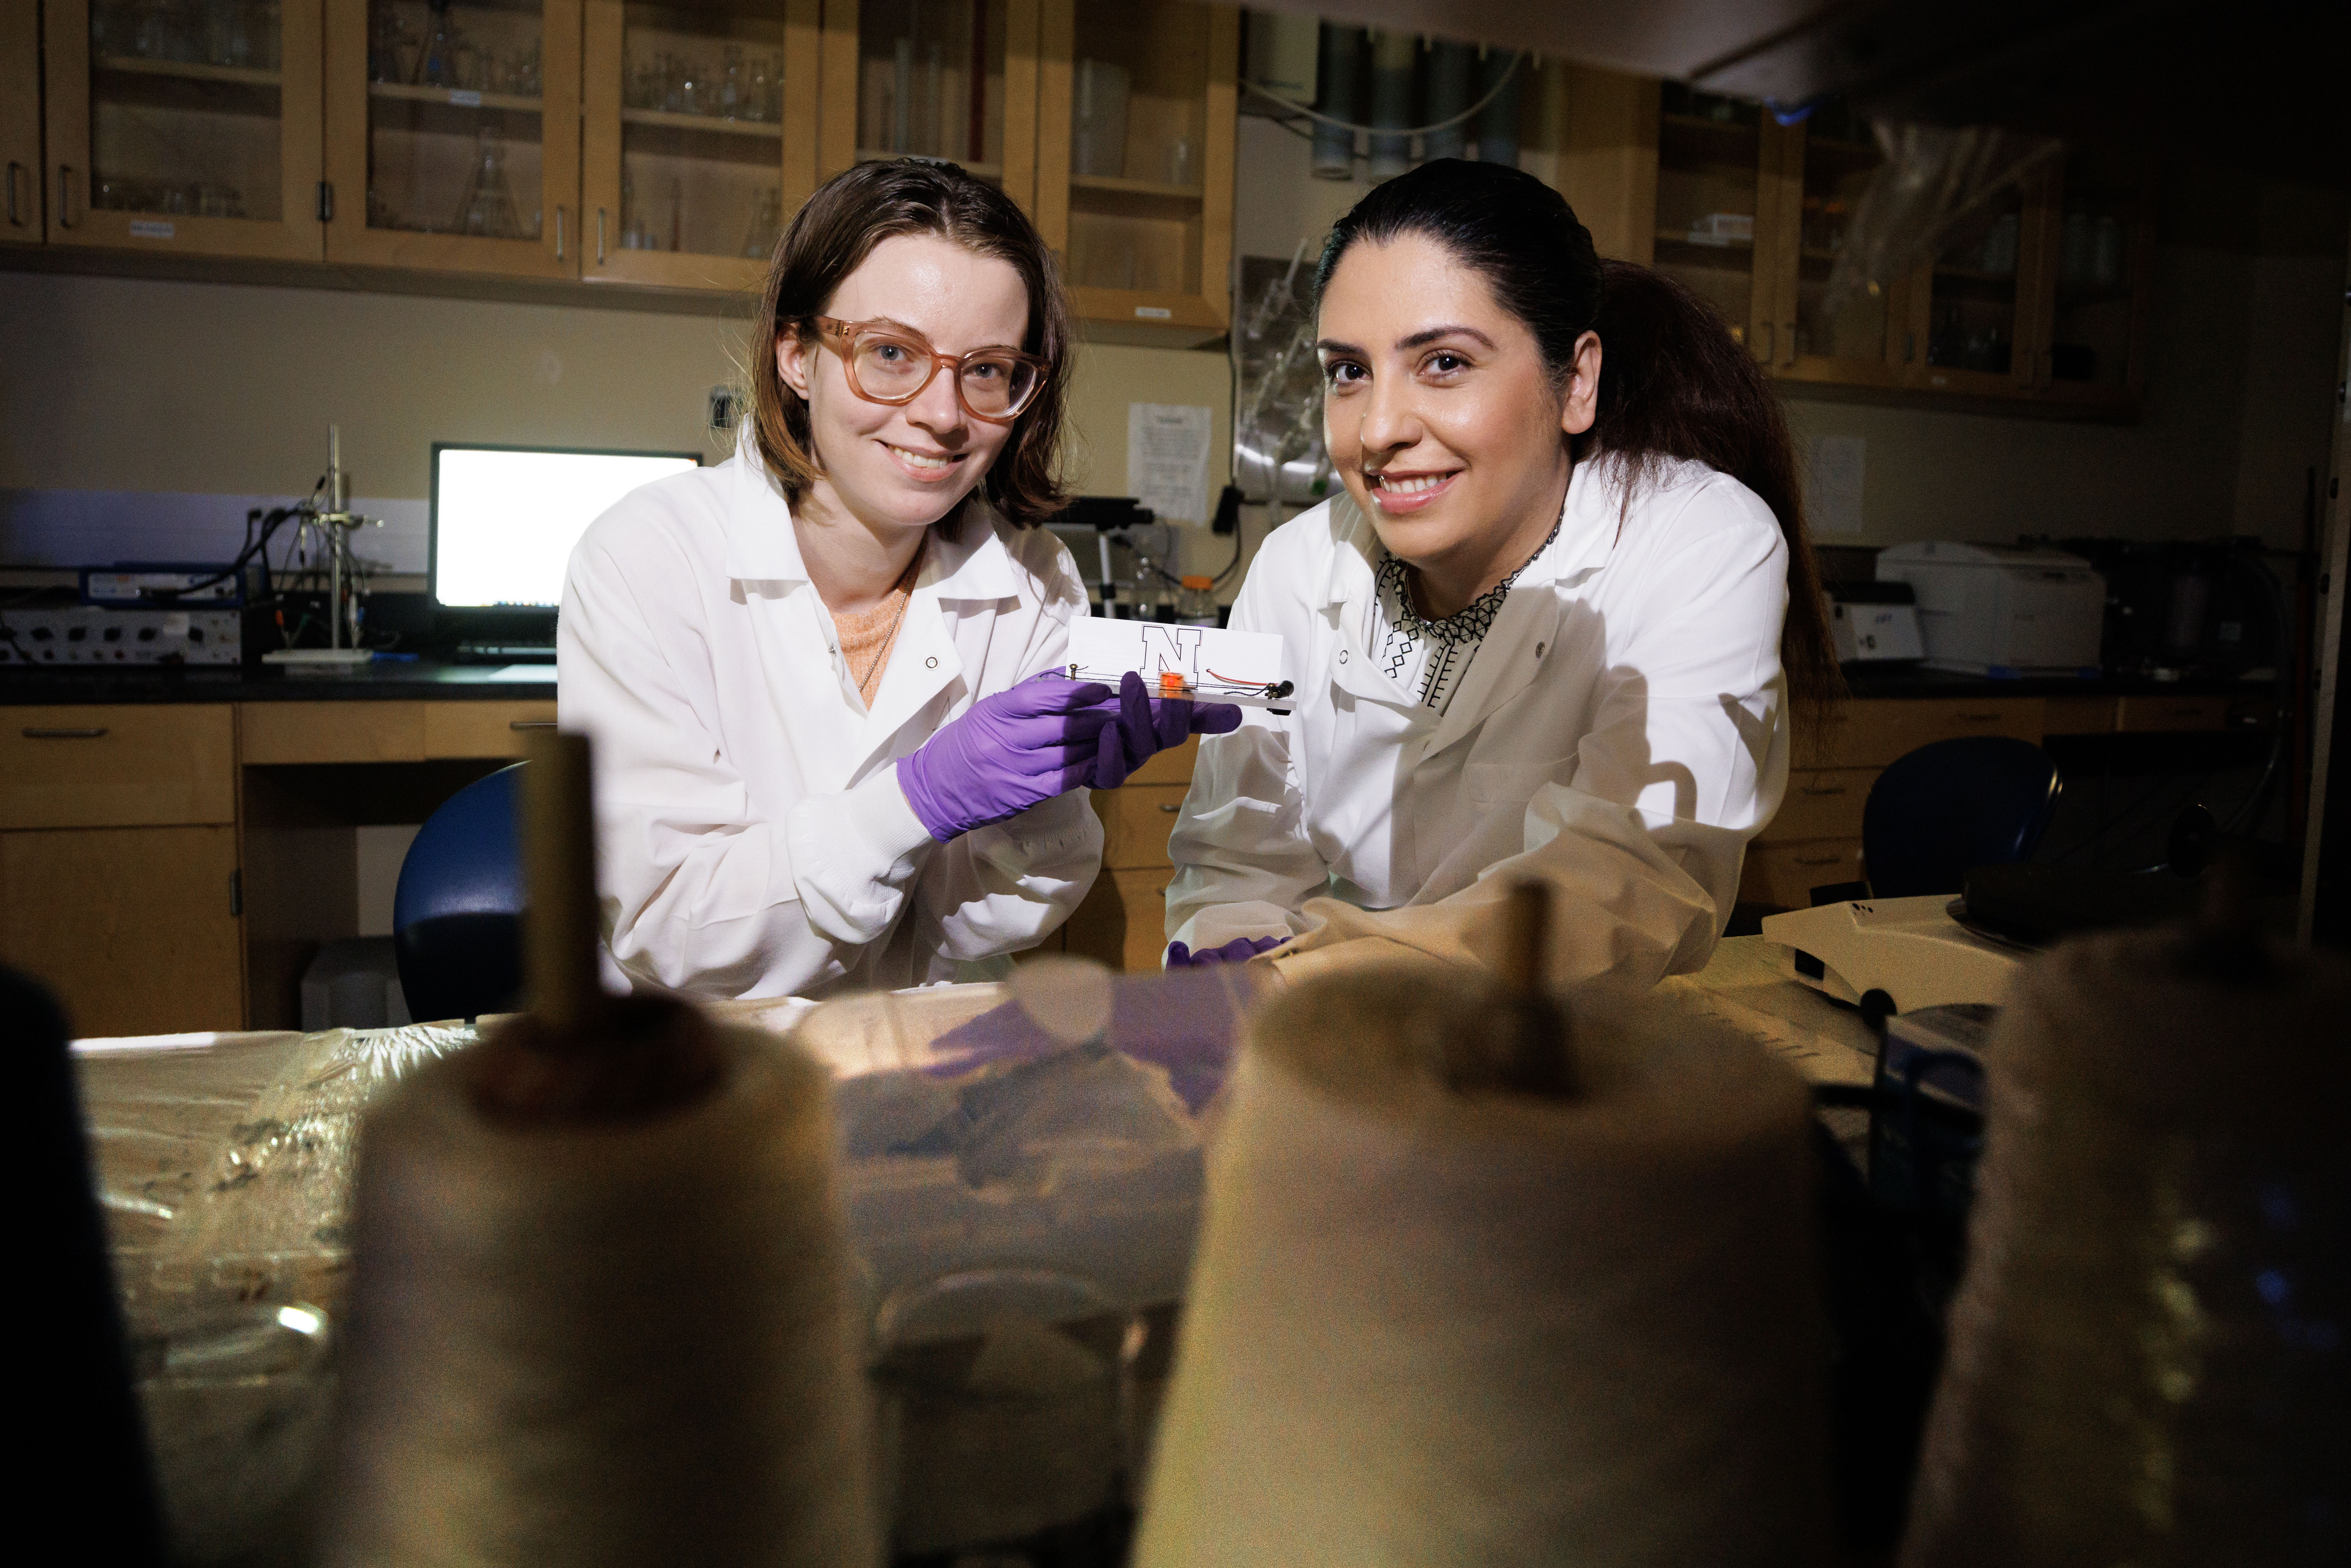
[[604, 1342], [1432, 1327], [2163, 1147]]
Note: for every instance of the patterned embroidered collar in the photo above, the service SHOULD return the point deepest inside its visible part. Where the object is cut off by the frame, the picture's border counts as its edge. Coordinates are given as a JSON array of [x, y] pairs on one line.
[[1462, 630]]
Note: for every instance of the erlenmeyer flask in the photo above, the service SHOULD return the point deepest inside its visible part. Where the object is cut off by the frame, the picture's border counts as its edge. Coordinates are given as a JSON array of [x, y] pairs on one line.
[[489, 207], [436, 62]]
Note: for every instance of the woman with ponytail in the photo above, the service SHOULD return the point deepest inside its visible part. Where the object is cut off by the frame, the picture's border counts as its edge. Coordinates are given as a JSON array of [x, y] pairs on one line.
[[1555, 629]]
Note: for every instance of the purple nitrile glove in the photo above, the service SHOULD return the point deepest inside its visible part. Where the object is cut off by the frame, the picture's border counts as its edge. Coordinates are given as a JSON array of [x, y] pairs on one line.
[[1240, 950], [1006, 752], [1147, 725]]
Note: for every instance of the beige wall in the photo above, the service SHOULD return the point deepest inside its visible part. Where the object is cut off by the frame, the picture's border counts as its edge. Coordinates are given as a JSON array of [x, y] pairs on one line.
[[124, 384]]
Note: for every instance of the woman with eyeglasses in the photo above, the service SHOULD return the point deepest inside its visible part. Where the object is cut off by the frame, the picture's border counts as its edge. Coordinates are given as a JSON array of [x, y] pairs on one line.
[[1552, 630], [830, 751]]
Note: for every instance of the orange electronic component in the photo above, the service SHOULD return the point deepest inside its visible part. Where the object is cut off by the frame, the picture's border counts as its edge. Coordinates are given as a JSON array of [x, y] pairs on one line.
[[1171, 683]]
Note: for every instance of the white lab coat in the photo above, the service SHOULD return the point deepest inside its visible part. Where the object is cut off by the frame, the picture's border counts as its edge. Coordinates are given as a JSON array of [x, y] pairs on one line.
[[1620, 733], [753, 839]]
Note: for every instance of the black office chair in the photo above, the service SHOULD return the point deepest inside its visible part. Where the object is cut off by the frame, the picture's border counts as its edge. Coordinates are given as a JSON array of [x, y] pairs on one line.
[[456, 915], [1942, 811]]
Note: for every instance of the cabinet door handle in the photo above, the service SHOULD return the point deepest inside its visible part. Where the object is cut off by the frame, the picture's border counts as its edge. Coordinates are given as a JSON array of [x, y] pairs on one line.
[[1791, 328], [1771, 342], [559, 231], [16, 172], [65, 196], [31, 734], [599, 237], [532, 724]]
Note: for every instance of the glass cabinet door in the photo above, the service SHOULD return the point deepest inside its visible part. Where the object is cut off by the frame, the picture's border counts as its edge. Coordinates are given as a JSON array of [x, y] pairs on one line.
[[1980, 307], [931, 81], [699, 137], [1711, 199], [186, 125], [2104, 223], [453, 134], [1832, 158], [1135, 158]]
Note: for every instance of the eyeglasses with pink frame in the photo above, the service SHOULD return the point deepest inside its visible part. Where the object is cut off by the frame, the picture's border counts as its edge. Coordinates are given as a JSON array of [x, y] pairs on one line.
[[864, 348]]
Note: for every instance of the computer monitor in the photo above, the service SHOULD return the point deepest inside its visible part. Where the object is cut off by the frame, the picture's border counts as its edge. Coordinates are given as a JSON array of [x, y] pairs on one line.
[[504, 519]]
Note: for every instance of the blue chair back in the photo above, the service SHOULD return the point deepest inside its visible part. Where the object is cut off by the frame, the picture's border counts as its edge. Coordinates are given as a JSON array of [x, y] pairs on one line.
[[456, 915], [1945, 808]]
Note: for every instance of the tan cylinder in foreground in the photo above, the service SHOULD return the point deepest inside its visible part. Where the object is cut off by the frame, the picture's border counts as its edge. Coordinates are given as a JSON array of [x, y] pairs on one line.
[[604, 1342], [1435, 1327], [2147, 1359]]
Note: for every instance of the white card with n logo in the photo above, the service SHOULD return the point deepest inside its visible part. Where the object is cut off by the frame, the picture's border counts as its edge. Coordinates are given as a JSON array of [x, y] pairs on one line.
[[1204, 663]]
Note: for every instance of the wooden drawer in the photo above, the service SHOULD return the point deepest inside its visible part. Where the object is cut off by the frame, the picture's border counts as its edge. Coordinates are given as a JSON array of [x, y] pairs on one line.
[[1785, 873], [332, 732], [483, 729], [1172, 766], [1136, 822], [2144, 715], [134, 929], [1873, 733], [1825, 804], [1124, 921], [116, 767], [2079, 715]]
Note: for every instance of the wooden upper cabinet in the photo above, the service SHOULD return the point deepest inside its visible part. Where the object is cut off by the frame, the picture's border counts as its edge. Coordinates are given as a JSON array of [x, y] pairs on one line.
[[182, 128], [1721, 183], [20, 125], [1134, 158], [698, 138], [453, 135]]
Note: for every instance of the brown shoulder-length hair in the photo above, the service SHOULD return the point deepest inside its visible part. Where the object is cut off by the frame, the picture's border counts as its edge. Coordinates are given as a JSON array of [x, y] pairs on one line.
[[830, 237], [1674, 383]]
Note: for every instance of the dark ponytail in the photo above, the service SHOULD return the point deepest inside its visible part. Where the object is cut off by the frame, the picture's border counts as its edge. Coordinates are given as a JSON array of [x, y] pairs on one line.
[[1674, 382]]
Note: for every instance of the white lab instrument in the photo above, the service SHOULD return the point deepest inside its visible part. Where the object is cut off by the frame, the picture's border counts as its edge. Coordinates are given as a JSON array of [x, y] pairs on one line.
[[1910, 948], [1873, 623], [1205, 663], [2002, 611]]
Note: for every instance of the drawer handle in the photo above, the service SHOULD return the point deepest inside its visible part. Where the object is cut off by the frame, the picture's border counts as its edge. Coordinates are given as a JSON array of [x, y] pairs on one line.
[[1815, 790], [1978, 719], [65, 734], [1818, 859], [532, 724], [1171, 811]]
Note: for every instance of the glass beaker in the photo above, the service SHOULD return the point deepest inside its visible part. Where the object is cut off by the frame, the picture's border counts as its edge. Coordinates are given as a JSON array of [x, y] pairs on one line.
[[767, 225]]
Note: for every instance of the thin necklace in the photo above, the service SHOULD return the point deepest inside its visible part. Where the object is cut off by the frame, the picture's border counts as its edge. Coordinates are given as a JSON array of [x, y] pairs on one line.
[[890, 638]]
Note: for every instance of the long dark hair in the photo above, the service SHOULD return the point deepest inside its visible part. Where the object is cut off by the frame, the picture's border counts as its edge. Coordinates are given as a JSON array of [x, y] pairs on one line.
[[832, 234], [1674, 382]]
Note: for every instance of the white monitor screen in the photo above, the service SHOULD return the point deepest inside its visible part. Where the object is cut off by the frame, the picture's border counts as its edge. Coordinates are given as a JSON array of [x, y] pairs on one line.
[[504, 522]]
